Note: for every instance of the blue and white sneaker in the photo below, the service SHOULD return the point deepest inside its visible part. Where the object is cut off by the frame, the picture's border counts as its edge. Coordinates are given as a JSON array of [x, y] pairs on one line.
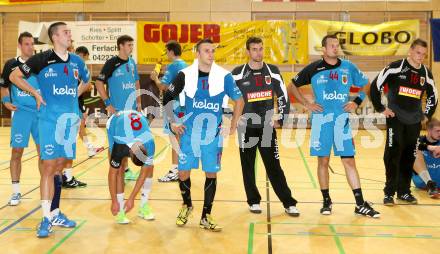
[[45, 228], [15, 199], [62, 221]]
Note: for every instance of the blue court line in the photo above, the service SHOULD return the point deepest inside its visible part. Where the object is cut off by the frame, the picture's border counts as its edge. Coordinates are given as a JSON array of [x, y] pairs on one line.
[[19, 220]]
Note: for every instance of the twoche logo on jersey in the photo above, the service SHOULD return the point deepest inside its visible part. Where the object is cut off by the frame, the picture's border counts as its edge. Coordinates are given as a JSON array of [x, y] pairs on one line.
[[259, 96], [410, 92]]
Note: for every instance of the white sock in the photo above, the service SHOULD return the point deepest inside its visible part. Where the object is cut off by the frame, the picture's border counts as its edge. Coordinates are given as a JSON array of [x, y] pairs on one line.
[[86, 141], [174, 168], [120, 198], [16, 187], [425, 176], [146, 189], [55, 213], [45, 206], [68, 173]]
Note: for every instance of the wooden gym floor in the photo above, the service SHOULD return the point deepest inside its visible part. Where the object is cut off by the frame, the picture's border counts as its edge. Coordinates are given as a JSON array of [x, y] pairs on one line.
[[401, 229]]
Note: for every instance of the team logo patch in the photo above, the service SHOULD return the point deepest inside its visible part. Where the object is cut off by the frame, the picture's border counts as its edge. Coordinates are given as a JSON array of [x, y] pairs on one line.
[[49, 149], [344, 79], [268, 80], [115, 164], [18, 138], [410, 92], [76, 73], [259, 96], [422, 81]]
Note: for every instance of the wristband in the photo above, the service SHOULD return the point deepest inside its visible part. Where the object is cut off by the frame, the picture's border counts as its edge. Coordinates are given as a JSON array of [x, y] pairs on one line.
[[361, 96], [107, 102], [6, 99]]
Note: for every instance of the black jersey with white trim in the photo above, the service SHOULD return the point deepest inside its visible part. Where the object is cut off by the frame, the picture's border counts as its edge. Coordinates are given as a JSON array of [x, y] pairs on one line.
[[406, 86], [259, 88]]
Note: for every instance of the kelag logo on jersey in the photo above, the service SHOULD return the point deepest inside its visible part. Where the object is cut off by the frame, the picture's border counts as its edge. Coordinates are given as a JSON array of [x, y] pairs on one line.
[[333, 96], [129, 85], [21, 93], [206, 105], [64, 91]]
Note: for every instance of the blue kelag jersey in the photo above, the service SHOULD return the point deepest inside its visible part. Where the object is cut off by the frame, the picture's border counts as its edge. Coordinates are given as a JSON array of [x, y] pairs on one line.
[[22, 99], [171, 74], [172, 71], [331, 83], [129, 126], [58, 82], [120, 76], [202, 112]]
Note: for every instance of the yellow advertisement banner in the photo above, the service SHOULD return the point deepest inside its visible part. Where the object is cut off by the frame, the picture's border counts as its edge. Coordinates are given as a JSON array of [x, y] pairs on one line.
[[285, 42], [385, 39], [14, 2]]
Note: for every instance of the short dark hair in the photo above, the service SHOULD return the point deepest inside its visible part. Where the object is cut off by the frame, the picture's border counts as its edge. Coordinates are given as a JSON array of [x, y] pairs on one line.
[[53, 28], [175, 47], [328, 36], [134, 158], [82, 50], [24, 35], [432, 123], [207, 40], [252, 40], [419, 42], [123, 39]]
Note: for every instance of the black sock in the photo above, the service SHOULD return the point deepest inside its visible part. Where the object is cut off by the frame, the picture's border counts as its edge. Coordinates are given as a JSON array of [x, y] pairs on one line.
[[358, 196], [210, 188], [185, 190], [326, 195], [16, 181], [57, 181]]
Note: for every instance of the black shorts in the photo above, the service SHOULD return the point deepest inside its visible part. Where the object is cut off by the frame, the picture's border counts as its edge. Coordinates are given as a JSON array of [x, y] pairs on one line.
[[82, 107], [119, 152]]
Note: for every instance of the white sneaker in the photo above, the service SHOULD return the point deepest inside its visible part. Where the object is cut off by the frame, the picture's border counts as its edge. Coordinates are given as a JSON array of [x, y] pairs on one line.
[[91, 152], [171, 176], [255, 208], [15, 199], [292, 211]]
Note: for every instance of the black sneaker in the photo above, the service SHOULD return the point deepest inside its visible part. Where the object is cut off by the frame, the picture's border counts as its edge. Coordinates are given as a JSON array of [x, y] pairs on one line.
[[388, 200], [432, 189], [366, 210], [408, 197], [73, 183], [326, 207]]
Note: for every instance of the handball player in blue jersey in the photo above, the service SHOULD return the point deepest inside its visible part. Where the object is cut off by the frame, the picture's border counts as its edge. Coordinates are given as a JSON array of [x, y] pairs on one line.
[[120, 73], [57, 72], [203, 89], [331, 79], [174, 50], [129, 136], [24, 118]]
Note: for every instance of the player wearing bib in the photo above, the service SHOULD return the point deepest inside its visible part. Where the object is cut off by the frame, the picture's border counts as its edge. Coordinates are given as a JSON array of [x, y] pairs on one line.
[[129, 136], [407, 81], [58, 73], [121, 76], [174, 51], [331, 79], [24, 117], [203, 88], [427, 163]]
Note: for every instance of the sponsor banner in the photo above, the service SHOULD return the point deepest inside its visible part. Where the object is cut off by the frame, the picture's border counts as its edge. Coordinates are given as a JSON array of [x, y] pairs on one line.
[[14, 2], [99, 37], [385, 39], [285, 42]]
